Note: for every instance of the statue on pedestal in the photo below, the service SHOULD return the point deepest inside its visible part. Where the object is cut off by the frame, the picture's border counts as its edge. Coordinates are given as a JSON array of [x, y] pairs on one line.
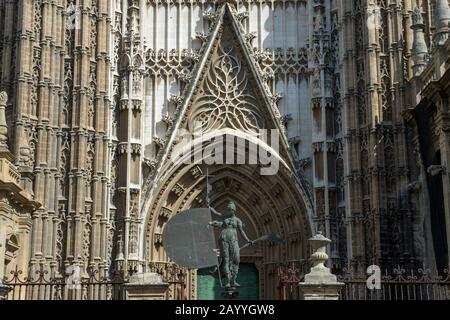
[[189, 241], [229, 243]]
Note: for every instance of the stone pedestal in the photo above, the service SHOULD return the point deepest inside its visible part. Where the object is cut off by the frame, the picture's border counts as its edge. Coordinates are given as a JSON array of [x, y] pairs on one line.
[[320, 283], [318, 291], [230, 293], [145, 286]]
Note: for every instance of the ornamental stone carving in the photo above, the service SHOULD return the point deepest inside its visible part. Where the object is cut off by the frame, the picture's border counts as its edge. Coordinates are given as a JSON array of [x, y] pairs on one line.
[[226, 99]]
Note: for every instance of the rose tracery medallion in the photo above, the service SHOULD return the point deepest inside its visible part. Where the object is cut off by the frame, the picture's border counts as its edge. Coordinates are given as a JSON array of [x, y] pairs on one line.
[[226, 100]]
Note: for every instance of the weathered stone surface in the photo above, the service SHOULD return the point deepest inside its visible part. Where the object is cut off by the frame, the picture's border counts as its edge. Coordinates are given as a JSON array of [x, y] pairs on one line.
[[94, 93], [320, 283]]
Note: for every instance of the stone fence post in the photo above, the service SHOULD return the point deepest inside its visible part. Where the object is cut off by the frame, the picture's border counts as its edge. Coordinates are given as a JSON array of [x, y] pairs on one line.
[[146, 286], [320, 283]]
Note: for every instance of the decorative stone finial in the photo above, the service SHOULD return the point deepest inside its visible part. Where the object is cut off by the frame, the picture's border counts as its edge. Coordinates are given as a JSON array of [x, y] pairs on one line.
[[320, 283], [119, 256], [417, 17], [419, 47], [319, 257], [3, 125], [442, 14]]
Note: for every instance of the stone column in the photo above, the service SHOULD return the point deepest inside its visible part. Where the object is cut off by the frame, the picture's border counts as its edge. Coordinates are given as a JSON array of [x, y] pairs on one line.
[[4, 289], [442, 17], [419, 47], [320, 283]]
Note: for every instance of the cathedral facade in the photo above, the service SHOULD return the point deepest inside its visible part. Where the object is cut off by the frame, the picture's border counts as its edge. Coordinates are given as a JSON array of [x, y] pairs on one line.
[[96, 94]]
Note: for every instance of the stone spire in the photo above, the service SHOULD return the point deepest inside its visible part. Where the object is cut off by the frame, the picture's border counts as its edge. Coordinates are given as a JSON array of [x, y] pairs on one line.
[[442, 15], [419, 48]]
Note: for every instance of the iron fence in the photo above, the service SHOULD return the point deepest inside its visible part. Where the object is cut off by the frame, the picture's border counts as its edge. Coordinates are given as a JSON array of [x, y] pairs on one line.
[[92, 285], [289, 278], [397, 284], [176, 276], [42, 286]]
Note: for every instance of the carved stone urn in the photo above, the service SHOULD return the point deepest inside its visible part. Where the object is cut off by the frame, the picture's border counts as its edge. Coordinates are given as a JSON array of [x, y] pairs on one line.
[[320, 283]]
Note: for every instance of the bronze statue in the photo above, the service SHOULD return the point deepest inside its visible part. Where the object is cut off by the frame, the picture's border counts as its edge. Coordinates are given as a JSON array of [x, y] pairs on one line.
[[229, 244]]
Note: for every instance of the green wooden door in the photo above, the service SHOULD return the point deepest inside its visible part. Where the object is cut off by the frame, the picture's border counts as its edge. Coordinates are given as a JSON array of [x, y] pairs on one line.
[[208, 287]]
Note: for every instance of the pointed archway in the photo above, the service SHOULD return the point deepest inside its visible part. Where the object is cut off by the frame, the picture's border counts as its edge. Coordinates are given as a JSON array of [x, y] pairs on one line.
[[266, 205], [227, 96]]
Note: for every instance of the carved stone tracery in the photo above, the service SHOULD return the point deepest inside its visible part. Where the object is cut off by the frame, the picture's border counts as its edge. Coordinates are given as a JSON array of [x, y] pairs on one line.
[[226, 99]]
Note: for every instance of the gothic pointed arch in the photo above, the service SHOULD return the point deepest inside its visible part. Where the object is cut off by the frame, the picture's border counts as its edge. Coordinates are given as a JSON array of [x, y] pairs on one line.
[[225, 78], [226, 94]]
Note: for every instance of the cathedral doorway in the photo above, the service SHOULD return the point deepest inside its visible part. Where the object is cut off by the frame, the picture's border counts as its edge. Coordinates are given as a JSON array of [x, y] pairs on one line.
[[227, 98], [208, 285], [265, 204]]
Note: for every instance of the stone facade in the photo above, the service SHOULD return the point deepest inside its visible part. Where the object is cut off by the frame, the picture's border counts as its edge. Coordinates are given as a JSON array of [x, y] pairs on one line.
[[99, 91], [428, 121], [17, 208]]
